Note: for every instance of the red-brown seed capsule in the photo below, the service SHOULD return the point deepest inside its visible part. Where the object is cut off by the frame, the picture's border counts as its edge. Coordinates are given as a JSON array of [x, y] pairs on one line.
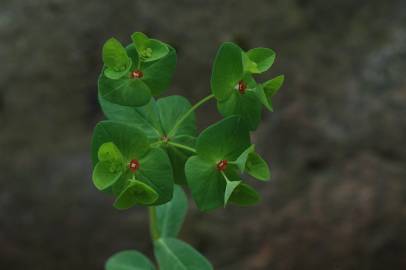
[[136, 74], [222, 165], [134, 165], [241, 87]]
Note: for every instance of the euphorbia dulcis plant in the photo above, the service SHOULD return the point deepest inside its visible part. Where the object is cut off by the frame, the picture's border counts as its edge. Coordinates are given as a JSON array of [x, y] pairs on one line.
[[149, 149]]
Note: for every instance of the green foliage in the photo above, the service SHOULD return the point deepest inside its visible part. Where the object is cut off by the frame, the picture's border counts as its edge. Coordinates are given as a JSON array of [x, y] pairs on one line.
[[235, 88], [149, 144], [261, 59], [226, 140], [157, 120], [170, 216], [174, 254], [155, 170], [117, 82], [149, 49], [116, 59], [129, 260]]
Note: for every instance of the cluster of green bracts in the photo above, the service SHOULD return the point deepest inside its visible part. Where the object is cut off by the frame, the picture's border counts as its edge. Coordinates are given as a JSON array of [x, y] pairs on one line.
[[150, 147]]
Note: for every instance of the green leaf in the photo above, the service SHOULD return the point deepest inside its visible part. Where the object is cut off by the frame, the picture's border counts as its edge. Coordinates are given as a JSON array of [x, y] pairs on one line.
[[128, 91], [115, 75], [158, 74], [247, 106], [156, 171], [155, 168], [225, 140], [144, 117], [249, 65], [272, 86], [129, 260], [253, 164], [171, 109], [109, 152], [227, 70], [257, 167], [170, 216], [179, 156], [125, 91], [263, 98], [115, 56], [174, 254], [149, 49], [136, 192], [244, 195], [242, 159], [105, 174], [129, 140], [157, 120], [262, 57], [230, 187], [205, 182], [140, 41]]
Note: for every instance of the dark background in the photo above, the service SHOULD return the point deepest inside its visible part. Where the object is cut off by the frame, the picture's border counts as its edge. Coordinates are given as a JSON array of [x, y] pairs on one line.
[[336, 141]]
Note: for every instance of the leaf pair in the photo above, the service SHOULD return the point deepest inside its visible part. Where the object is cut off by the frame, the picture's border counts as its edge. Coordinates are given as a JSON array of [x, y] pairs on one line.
[[223, 151], [234, 87], [157, 120], [115, 146], [132, 75], [171, 253]]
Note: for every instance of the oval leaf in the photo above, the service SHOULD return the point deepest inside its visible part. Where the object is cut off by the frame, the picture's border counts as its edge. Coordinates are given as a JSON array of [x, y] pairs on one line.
[[105, 174], [226, 139], [257, 167], [262, 57], [227, 70], [244, 104], [115, 56], [170, 216], [136, 192], [158, 74], [272, 86], [157, 120], [129, 260], [174, 254], [244, 195], [125, 91], [205, 182]]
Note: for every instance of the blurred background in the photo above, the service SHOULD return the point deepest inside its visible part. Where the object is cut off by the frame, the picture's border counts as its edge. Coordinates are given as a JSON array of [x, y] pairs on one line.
[[336, 141]]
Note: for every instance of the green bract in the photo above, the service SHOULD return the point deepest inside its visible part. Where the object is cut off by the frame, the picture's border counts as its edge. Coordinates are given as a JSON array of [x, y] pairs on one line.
[[258, 60], [129, 79], [212, 184], [120, 144], [232, 84], [157, 120], [115, 59], [150, 146], [149, 49]]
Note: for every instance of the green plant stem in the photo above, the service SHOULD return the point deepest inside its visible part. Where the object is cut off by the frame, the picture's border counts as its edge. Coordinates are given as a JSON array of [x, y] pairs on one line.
[[182, 146], [183, 118], [152, 223]]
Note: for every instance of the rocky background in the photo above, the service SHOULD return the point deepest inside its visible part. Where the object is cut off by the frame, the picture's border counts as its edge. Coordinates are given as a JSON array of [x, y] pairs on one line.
[[336, 141]]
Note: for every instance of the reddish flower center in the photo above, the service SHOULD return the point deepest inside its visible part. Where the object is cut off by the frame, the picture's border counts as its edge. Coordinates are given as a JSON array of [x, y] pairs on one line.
[[222, 165], [136, 74], [134, 165], [242, 86]]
